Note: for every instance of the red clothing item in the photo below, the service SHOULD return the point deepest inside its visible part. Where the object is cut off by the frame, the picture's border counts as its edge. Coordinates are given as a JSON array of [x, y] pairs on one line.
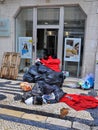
[[52, 63], [79, 102], [44, 62]]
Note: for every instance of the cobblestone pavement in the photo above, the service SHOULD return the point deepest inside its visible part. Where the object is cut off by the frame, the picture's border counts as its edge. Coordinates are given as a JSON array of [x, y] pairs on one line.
[[15, 115]]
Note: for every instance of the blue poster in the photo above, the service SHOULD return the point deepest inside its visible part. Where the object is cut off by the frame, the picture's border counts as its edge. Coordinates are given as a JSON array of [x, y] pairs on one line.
[[25, 47]]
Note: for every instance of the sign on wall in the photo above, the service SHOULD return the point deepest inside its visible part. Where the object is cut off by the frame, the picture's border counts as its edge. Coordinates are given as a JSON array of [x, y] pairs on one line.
[[25, 47], [72, 49], [4, 27]]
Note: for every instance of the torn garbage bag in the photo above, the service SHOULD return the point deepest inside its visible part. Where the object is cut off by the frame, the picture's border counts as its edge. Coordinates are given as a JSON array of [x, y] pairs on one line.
[[41, 88]]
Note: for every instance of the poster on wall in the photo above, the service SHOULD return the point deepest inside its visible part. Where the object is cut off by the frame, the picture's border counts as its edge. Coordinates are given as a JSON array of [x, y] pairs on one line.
[[72, 49], [25, 47]]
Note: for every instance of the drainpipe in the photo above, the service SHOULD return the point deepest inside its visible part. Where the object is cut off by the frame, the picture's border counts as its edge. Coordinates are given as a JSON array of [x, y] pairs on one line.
[[96, 70]]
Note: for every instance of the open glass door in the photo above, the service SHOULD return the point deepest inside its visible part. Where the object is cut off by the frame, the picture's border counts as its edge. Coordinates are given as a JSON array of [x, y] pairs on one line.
[[47, 40]]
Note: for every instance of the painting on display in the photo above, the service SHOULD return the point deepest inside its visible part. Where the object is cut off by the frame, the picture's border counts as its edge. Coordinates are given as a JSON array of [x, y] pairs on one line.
[[25, 47], [72, 49]]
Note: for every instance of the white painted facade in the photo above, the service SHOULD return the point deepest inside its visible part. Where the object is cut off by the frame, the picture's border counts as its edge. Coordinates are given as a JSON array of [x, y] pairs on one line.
[[10, 9]]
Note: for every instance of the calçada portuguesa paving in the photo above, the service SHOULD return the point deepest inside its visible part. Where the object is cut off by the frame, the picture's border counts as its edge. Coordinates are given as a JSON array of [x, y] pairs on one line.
[[16, 115]]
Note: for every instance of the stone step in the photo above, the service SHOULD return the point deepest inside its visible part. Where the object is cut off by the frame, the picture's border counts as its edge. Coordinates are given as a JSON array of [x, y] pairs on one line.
[[34, 119]]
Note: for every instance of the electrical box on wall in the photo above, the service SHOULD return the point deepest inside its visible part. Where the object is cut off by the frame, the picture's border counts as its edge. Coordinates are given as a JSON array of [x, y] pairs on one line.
[[4, 27]]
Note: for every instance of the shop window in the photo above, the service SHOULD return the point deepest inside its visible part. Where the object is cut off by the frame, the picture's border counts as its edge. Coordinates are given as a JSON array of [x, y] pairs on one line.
[[24, 31], [24, 22], [48, 16], [74, 28]]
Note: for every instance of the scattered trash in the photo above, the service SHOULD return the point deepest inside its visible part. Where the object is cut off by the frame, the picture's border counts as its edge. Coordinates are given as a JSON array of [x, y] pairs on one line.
[[50, 98], [66, 73], [71, 84], [29, 101], [88, 82], [25, 86], [64, 112]]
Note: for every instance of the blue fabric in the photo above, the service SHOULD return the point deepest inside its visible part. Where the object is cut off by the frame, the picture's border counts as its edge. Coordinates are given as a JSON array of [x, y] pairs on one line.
[[89, 82]]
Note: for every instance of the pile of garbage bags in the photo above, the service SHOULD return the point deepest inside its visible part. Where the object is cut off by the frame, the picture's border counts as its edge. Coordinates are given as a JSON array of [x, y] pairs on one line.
[[39, 72], [47, 87]]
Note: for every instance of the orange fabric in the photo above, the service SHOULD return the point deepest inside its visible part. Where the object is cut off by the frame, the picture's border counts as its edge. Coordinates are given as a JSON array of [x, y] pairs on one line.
[[25, 86]]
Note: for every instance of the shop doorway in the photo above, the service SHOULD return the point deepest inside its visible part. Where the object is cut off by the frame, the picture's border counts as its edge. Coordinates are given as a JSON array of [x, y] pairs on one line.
[[48, 28], [47, 42]]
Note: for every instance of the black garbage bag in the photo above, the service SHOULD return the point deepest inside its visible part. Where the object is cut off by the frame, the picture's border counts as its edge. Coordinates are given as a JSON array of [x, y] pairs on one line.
[[41, 88], [40, 77], [37, 90], [58, 93], [37, 100], [33, 70], [45, 88], [43, 69], [39, 72], [28, 78], [26, 95], [48, 89], [54, 78]]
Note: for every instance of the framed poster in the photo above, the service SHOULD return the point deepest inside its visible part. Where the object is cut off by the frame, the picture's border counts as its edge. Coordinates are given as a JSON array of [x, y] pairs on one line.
[[25, 47], [72, 49]]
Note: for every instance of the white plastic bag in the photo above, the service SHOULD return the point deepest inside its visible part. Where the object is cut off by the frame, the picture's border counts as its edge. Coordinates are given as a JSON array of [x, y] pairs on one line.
[[29, 101]]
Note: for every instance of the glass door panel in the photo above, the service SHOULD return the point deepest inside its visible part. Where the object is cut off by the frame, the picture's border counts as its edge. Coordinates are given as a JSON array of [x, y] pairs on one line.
[[47, 40], [48, 16], [24, 29], [74, 27]]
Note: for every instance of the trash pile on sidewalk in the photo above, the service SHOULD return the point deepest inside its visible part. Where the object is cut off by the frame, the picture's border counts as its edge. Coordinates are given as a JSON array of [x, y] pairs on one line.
[[85, 83], [47, 87], [88, 82]]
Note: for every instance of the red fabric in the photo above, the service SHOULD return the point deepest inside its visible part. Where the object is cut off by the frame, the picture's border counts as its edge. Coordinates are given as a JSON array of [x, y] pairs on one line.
[[79, 102], [52, 63]]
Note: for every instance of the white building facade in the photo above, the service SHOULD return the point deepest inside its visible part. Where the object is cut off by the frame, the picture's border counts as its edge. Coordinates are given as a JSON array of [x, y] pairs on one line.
[[47, 24]]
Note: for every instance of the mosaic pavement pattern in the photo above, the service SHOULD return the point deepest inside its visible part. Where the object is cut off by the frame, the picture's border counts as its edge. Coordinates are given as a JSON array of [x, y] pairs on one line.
[[15, 115]]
